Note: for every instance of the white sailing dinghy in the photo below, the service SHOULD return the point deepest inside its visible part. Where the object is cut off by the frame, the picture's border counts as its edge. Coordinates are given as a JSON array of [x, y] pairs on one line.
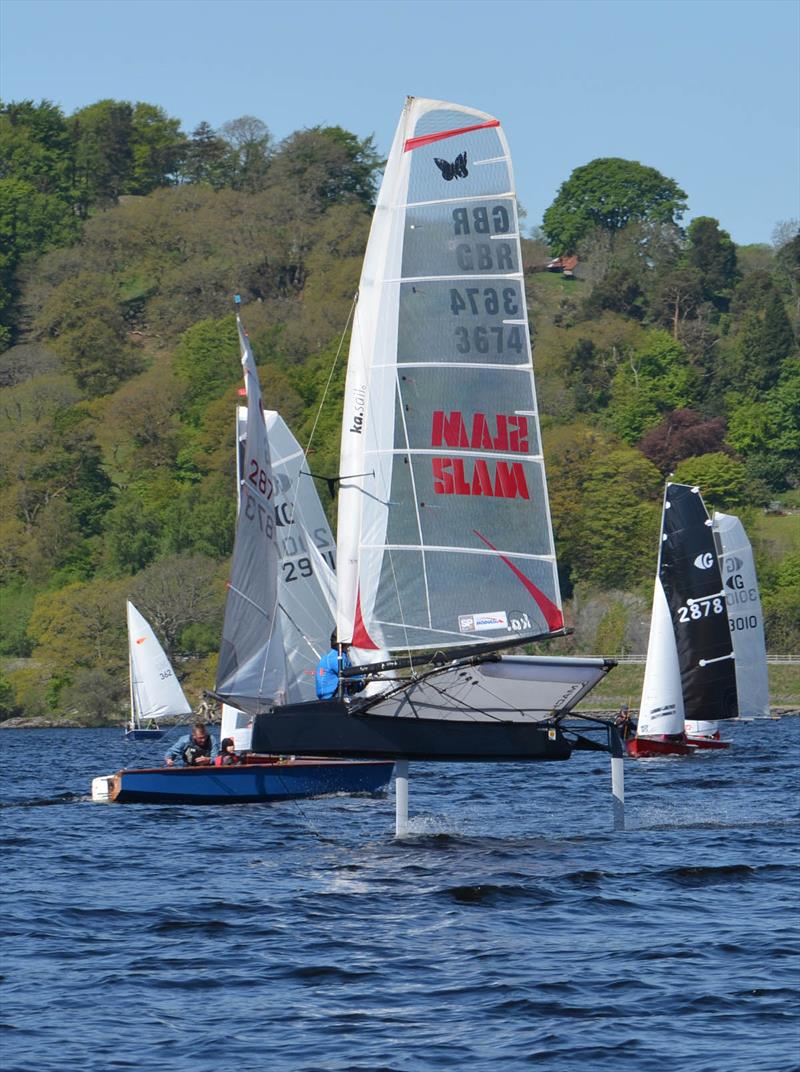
[[690, 671], [155, 691], [444, 549], [745, 615], [306, 574]]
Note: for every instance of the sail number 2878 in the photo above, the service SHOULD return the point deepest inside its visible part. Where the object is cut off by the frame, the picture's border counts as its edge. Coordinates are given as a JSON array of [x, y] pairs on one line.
[[701, 608]]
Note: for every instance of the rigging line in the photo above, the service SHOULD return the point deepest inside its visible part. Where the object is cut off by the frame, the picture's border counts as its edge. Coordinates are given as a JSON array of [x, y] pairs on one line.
[[333, 370]]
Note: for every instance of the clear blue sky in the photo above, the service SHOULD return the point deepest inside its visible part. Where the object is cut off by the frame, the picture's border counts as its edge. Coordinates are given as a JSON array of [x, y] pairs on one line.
[[706, 91]]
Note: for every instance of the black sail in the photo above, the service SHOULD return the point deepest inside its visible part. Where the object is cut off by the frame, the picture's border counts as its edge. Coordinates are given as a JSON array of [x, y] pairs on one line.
[[691, 579]]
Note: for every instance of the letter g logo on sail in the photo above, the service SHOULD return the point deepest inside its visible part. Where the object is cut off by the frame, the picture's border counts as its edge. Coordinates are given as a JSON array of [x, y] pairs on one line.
[[704, 561]]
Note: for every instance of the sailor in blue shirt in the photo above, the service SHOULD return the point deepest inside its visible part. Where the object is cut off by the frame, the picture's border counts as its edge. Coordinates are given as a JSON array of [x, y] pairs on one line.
[[327, 675], [195, 749]]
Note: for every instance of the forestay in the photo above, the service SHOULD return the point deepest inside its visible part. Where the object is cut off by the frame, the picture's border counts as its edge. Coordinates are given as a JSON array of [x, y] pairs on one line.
[[745, 615], [155, 691], [444, 526], [251, 661]]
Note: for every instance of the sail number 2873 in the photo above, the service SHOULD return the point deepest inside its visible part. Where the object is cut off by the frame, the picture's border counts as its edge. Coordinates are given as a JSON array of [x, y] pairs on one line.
[[701, 608]]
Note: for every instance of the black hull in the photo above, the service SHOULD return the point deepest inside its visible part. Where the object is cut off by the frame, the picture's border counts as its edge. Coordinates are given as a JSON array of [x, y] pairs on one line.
[[330, 729]]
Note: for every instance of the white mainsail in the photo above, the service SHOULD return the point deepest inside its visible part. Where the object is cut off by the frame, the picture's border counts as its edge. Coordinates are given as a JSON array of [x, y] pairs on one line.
[[444, 533], [252, 661], [745, 616], [155, 691], [661, 710]]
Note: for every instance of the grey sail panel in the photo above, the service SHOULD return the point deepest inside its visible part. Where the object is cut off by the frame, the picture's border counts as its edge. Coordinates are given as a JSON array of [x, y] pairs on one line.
[[745, 615], [251, 660]]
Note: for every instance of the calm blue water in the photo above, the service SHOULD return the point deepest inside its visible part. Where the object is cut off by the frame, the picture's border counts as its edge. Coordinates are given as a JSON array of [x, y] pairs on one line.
[[513, 930]]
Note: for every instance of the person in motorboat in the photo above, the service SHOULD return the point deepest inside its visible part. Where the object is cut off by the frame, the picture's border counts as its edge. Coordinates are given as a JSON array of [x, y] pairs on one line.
[[228, 756], [327, 674], [195, 749]]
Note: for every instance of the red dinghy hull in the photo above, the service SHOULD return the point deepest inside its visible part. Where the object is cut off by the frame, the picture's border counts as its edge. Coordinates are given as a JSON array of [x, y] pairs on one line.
[[642, 747], [708, 742]]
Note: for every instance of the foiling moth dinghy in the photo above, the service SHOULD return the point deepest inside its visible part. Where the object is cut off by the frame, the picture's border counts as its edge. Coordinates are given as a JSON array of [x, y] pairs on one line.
[[690, 673], [272, 634], [444, 544]]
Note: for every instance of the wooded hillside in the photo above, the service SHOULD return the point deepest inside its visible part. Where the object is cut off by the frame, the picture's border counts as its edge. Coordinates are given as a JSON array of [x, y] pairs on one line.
[[669, 350]]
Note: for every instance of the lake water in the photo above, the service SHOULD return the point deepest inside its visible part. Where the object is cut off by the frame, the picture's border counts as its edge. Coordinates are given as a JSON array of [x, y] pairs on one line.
[[512, 930]]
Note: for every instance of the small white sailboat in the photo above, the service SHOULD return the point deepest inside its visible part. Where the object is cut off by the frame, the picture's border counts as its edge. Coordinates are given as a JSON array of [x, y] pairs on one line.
[[155, 691], [445, 549], [690, 672]]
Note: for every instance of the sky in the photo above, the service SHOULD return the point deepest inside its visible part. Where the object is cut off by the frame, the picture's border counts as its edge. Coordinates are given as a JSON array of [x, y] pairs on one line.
[[705, 91]]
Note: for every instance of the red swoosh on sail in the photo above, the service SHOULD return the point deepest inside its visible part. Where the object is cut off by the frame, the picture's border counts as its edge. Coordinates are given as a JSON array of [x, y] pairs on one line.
[[361, 638], [552, 615], [427, 139]]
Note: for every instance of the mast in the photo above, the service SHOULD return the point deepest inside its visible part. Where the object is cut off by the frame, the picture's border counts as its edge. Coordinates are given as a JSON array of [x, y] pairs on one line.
[[134, 723]]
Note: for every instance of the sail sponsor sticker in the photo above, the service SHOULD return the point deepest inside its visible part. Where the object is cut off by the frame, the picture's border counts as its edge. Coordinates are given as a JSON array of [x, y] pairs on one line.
[[704, 561], [480, 623]]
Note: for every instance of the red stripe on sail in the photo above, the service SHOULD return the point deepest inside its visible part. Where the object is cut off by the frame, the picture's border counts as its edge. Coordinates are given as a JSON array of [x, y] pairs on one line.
[[427, 139], [552, 615], [361, 638]]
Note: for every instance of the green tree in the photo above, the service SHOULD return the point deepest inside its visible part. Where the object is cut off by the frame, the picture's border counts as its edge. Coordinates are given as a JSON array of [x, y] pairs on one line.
[[249, 147], [325, 166], [84, 320], [712, 253], [657, 378], [103, 138], [157, 148], [35, 146], [721, 479], [207, 359], [766, 431], [204, 157], [30, 223], [610, 193]]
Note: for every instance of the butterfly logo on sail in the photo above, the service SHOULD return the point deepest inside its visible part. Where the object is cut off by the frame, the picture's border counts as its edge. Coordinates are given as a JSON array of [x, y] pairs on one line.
[[456, 170]]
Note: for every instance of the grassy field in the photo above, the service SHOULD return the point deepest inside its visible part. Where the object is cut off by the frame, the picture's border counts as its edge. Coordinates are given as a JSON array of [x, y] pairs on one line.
[[624, 685]]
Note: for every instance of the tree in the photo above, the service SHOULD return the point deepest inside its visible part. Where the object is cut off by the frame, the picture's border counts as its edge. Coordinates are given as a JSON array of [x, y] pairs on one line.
[[721, 479], [207, 359], [204, 157], [767, 432], [103, 138], [84, 320], [677, 296], [681, 434], [712, 253], [30, 223], [610, 193], [249, 147], [157, 148], [655, 379], [177, 592], [325, 166]]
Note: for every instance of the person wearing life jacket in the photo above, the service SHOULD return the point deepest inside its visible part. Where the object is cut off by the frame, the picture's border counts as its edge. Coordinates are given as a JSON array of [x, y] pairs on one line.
[[228, 756], [195, 749], [327, 673]]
